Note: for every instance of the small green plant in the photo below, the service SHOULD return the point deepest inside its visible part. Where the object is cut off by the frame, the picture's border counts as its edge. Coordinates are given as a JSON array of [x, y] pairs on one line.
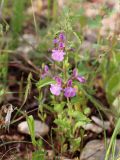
[[40, 152]]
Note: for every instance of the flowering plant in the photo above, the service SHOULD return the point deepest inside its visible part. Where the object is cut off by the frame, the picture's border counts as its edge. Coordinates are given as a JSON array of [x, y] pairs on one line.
[[66, 98]]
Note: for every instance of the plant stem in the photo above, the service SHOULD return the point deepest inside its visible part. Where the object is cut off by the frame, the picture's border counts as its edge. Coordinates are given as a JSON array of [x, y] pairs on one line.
[[116, 130]]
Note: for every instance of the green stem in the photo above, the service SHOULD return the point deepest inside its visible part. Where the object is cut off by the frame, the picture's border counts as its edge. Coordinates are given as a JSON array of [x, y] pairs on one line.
[[69, 107], [116, 130]]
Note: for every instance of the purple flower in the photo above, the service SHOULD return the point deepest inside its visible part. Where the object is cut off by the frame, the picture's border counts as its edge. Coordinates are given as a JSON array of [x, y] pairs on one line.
[[55, 41], [45, 71], [75, 73], [61, 45], [58, 55], [58, 80], [69, 83], [62, 37], [46, 68], [69, 92], [55, 89], [81, 79]]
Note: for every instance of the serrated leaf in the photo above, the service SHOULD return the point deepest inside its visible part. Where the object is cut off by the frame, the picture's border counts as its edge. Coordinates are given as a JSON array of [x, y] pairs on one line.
[[79, 116], [28, 88], [59, 107], [79, 124], [63, 123], [75, 144]]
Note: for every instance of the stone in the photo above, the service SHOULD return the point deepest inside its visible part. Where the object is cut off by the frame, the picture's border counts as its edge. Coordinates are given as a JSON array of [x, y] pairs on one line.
[[41, 129], [95, 150], [28, 42], [29, 39], [25, 48], [50, 154], [92, 127], [102, 124]]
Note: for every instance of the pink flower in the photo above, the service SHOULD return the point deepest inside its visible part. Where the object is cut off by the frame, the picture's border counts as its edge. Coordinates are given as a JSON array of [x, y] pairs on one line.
[[58, 80], [69, 92], [55, 89], [45, 71], [69, 83], [81, 79], [61, 45], [75, 73], [58, 55], [62, 37], [55, 41]]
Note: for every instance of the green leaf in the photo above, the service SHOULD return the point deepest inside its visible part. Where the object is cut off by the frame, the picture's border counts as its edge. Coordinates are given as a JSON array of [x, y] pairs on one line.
[[113, 87], [83, 69], [2, 92], [28, 88], [44, 82], [75, 144], [79, 116], [59, 107], [94, 23], [79, 124], [76, 99], [116, 105], [87, 111], [38, 155], [31, 126], [63, 123]]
